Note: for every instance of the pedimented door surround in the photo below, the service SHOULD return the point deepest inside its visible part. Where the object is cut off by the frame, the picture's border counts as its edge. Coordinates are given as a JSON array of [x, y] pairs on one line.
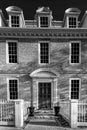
[[44, 76]]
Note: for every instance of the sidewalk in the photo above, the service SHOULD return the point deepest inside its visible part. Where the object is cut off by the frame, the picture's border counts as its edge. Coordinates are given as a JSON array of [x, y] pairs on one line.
[[39, 127], [42, 124]]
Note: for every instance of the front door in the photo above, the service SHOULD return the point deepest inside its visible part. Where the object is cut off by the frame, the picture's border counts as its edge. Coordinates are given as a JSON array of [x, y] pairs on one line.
[[44, 95]]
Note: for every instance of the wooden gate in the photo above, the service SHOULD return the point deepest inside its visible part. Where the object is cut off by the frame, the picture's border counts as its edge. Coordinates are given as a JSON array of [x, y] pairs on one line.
[[7, 113]]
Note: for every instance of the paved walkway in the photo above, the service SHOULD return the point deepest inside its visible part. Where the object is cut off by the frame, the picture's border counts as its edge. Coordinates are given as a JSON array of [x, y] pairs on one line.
[[39, 127], [43, 124]]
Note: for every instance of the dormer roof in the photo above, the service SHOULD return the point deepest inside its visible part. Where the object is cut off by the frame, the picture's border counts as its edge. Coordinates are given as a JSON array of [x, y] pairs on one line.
[[3, 18], [13, 9], [72, 11], [43, 10], [84, 20]]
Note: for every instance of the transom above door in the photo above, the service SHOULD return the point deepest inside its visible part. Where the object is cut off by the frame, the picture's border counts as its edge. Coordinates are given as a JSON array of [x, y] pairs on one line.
[[44, 95]]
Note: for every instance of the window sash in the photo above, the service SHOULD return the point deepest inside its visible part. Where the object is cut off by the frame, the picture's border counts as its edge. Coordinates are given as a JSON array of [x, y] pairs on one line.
[[75, 89], [13, 89], [15, 21], [75, 52], [12, 52], [72, 22], [44, 53], [43, 21]]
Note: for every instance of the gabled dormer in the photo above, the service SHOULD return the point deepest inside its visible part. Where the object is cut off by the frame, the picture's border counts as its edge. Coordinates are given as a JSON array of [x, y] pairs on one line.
[[3, 22], [43, 17], [16, 18], [83, 23], [71, 18]]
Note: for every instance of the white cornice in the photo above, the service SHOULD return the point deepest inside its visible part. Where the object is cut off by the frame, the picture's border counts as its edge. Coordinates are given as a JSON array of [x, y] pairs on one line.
[[43, 33]]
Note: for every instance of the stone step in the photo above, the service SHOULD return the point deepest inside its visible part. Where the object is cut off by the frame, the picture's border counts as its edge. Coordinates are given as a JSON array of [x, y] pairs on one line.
[[44, 112], [43, 117]]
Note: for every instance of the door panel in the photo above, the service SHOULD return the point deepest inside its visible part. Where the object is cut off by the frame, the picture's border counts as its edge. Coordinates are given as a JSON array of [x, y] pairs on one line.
[[44, 95]]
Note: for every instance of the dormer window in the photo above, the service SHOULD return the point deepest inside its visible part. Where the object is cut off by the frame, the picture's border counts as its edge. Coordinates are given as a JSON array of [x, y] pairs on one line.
[[43, 17], [15, 21], [16, 17], [72, 22], [71, 18], [44, 21]]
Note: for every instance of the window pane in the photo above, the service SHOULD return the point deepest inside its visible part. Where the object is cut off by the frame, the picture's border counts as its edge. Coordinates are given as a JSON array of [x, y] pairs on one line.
[[72, 22], [74, 89], [12, 51], [43, 21], [15, 21], [13, 89], [74, 52], [44, 53]]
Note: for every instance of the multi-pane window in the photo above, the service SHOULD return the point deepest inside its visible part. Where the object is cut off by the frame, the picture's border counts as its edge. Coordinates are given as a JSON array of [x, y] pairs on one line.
[[75, 85], [72, 22], [75, 52], [13, 89], [15, 22], [43, 21], [44, 52], [12, 52]]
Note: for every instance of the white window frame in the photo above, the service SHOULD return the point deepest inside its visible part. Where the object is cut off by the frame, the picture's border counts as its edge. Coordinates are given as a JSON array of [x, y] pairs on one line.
[[8, 92], [49, 21], [39, 52], [20, 24], [7, 54], [76, 21], [79, 52], [70, 88]]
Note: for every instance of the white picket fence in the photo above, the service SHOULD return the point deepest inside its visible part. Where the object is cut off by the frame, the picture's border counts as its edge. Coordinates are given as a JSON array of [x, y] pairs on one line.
[[78, 114], [82, 114], [65, 109], [26, 110], [7, 113]]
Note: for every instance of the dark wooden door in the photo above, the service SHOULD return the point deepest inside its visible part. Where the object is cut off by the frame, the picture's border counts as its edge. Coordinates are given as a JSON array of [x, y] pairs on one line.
[[44, 95]]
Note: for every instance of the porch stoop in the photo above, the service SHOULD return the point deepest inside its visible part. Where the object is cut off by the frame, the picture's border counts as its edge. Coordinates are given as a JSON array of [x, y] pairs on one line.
[[47, 118], [44, 114]]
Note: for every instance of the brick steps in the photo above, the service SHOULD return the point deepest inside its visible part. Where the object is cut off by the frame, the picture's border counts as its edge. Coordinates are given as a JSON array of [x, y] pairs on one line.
[[47, 118], [44, 114]]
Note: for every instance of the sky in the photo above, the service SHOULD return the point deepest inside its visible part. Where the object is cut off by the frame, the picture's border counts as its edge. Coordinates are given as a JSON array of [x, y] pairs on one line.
[[58, 7]]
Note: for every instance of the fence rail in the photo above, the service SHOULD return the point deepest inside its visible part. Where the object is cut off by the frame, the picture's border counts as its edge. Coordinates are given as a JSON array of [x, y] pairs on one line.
[[82, 113], [7, 112], [65, 109], [25, 111]]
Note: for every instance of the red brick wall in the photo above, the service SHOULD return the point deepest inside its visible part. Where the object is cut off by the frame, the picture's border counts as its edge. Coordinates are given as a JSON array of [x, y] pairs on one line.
[[28, 62]]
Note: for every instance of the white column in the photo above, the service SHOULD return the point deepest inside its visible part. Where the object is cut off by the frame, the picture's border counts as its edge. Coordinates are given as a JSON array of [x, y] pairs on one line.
[[19, 107], [74, 113]]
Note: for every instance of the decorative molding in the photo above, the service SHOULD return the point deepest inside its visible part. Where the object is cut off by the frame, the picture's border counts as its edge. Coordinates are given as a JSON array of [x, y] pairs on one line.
[[51, 33]]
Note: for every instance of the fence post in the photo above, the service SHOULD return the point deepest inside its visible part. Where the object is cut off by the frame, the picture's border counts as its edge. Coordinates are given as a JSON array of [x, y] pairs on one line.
[[19, 106], [74, 113]]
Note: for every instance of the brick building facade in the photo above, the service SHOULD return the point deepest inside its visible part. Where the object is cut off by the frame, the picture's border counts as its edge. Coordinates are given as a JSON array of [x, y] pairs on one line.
[[43, 61]]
